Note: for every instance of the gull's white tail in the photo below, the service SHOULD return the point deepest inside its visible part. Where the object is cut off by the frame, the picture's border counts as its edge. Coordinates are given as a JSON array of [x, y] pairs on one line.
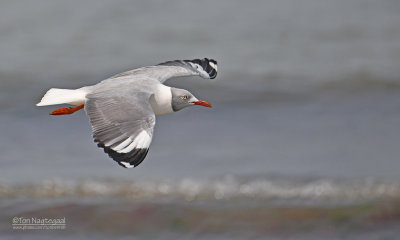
[[59, 96]]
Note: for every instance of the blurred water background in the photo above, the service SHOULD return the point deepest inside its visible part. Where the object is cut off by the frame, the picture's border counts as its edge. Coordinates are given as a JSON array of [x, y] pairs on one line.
[[302, 142]]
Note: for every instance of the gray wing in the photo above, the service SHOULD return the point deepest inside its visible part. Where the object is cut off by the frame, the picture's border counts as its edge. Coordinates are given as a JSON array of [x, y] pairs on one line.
[[205, 68], [122, 125]]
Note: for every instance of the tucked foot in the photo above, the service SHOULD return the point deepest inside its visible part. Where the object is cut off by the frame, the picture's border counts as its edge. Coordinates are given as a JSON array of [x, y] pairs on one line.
[[63, 111]]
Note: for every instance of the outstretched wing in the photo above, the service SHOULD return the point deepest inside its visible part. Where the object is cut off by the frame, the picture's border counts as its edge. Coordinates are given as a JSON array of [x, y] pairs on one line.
[[205, 68], [122, 125]]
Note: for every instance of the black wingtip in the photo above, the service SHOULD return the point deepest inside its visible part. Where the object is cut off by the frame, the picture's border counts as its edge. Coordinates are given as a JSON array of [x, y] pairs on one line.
[[126, 160], [208, 65]]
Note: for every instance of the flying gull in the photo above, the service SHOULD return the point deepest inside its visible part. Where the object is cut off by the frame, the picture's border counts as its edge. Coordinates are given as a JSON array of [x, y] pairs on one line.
[[122, 109]]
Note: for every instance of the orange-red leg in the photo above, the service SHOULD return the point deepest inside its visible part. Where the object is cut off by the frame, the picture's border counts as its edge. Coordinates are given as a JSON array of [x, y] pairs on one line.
[[63, 111]]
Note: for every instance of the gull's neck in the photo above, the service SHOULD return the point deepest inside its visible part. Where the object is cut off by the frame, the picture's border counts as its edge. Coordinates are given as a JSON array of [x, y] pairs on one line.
[[161, 100]]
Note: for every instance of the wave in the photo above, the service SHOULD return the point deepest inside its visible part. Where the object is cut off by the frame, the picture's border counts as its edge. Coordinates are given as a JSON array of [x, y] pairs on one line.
[[227, 188]]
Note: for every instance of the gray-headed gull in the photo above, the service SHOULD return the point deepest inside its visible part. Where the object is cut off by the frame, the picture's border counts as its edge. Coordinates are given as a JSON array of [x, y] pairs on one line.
[[122, 109]]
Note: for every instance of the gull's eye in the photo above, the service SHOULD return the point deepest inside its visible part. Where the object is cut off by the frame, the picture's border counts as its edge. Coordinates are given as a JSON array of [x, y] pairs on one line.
[[184, 97]]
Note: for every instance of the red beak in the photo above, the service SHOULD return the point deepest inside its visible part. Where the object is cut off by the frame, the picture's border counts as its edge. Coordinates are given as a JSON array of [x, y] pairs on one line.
[[203, 103]]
